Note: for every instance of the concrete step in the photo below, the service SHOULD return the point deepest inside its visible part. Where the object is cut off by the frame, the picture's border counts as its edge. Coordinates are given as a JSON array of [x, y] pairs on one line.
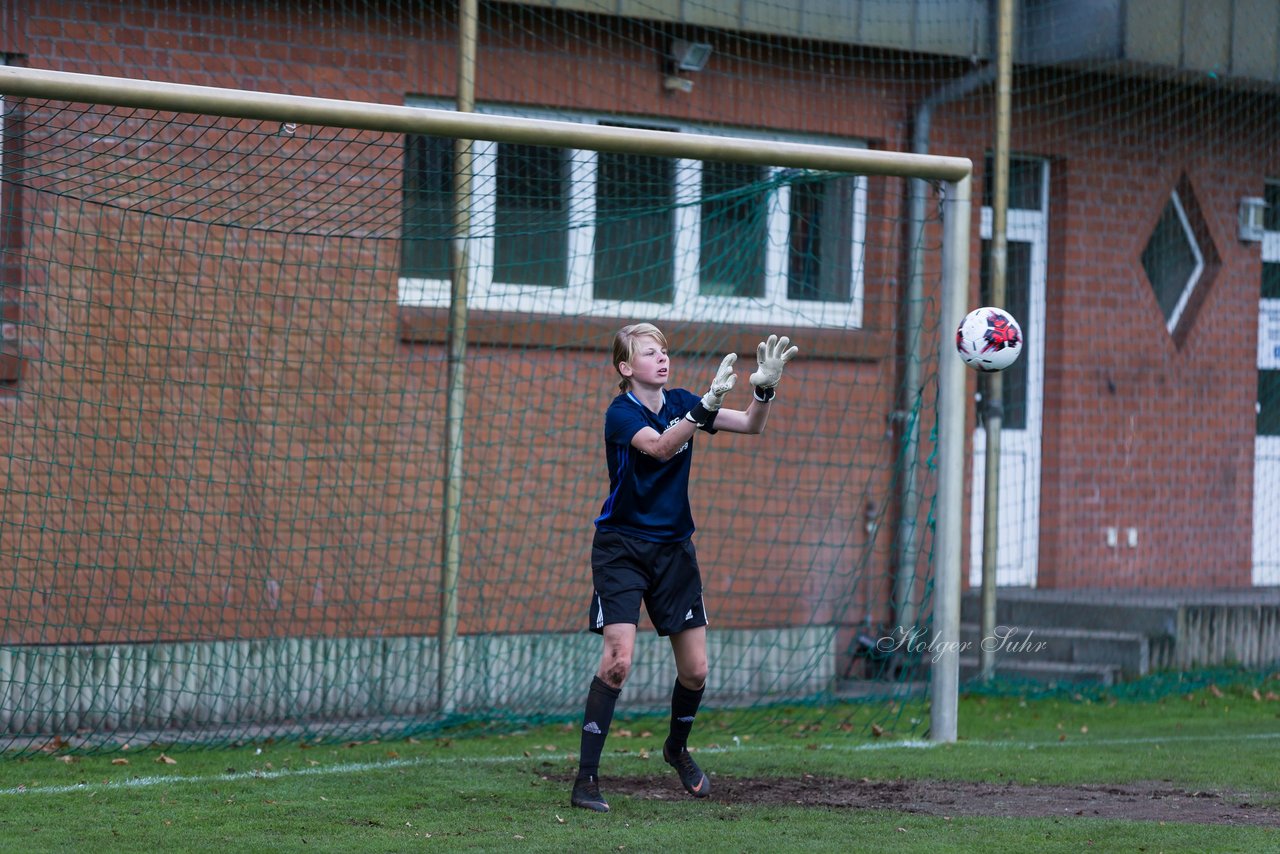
[[1129, 652], [877, 689], [1034, 609], [1049, 672]]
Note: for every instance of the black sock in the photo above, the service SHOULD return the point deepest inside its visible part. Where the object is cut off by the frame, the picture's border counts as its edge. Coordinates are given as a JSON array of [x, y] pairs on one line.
[[595, 725], [684, 708]]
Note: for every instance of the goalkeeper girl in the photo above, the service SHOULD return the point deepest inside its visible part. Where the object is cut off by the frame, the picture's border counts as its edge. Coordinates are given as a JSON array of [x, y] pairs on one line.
[[643, 549]]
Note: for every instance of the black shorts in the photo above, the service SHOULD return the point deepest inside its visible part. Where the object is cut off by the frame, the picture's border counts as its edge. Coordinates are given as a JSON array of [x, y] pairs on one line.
[[665, 576]]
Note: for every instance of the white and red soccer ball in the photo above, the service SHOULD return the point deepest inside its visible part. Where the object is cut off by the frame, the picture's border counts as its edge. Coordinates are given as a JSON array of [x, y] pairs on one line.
[[989, 339]]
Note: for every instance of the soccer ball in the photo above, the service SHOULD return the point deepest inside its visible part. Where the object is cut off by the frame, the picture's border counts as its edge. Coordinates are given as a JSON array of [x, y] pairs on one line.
[[989, 339]]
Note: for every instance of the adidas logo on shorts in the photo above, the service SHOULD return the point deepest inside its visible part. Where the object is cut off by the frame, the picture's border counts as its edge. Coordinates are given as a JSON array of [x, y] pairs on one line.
[[591, 727]]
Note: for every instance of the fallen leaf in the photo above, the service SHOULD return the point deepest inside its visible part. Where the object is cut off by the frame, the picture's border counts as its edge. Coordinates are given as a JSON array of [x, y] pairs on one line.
[[120, 761], [877, 730], [163, 759], [1215, 691], [65, 758], [559, 820]]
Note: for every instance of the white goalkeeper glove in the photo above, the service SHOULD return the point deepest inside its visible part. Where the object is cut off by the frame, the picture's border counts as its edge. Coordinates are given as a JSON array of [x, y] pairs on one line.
[[771, 357], [725, 378], [714, 398]]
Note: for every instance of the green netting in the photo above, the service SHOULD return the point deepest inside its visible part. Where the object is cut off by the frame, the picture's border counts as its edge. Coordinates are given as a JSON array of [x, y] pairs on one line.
[[225, 357]]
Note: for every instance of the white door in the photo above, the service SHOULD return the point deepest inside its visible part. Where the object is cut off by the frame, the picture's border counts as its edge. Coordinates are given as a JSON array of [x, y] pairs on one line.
[[1018, 527], [1266, 460]]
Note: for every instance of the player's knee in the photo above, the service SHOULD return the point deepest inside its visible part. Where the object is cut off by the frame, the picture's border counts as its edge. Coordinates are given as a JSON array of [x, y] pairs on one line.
[[615, 668], [695, 676], [616, 672]]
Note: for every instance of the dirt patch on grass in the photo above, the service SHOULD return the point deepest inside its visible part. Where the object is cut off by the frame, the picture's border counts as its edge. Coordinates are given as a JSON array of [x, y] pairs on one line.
[[1132, 802]]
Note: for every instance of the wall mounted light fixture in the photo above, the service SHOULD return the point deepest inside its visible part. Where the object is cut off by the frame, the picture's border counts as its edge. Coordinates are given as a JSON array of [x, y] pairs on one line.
[[689, 56], [681, 56], [1253, 212]]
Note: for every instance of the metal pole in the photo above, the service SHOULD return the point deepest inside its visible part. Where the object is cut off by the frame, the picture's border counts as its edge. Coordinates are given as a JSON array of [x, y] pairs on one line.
[[993, 397], [455, 407], [945, 682]]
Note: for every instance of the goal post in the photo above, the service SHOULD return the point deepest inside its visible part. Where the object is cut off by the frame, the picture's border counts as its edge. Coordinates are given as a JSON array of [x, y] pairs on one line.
[[952, 173]]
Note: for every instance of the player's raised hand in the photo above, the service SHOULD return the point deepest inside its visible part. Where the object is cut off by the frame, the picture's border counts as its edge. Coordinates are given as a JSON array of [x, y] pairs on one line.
[[725, 378], [772, 356]]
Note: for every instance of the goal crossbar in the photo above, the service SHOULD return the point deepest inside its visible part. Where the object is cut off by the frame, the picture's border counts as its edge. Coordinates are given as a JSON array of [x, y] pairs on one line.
[[297, 109]]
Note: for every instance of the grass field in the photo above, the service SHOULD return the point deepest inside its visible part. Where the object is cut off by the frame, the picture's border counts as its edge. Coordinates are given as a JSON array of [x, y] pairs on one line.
[[1189, 772]]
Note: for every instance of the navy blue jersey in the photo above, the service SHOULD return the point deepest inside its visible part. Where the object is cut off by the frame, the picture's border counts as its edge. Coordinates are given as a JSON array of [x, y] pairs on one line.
[[648, 499]]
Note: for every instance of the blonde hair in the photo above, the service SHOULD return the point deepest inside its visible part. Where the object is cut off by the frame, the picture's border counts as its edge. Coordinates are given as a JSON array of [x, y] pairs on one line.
[[624, 346]]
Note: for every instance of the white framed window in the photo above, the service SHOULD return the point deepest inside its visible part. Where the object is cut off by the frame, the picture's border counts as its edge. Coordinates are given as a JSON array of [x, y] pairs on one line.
[[1173, 260], [570, 232], [1268, 403]]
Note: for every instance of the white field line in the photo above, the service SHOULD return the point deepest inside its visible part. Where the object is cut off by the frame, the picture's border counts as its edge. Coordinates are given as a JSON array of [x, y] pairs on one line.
[[391, 764]]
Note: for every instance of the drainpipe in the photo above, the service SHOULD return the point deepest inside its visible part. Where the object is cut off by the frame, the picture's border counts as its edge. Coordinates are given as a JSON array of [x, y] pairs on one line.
[[905, 597]]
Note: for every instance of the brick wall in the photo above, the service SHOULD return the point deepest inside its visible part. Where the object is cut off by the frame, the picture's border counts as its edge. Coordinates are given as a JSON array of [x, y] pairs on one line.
[[1143, 429]]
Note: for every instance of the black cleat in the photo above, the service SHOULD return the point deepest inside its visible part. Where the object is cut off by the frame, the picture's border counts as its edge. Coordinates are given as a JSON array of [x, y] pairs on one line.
[[691, 776], [586, 794]]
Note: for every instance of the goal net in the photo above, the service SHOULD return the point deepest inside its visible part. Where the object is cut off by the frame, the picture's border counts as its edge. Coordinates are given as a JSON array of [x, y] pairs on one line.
[[307, 435]]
